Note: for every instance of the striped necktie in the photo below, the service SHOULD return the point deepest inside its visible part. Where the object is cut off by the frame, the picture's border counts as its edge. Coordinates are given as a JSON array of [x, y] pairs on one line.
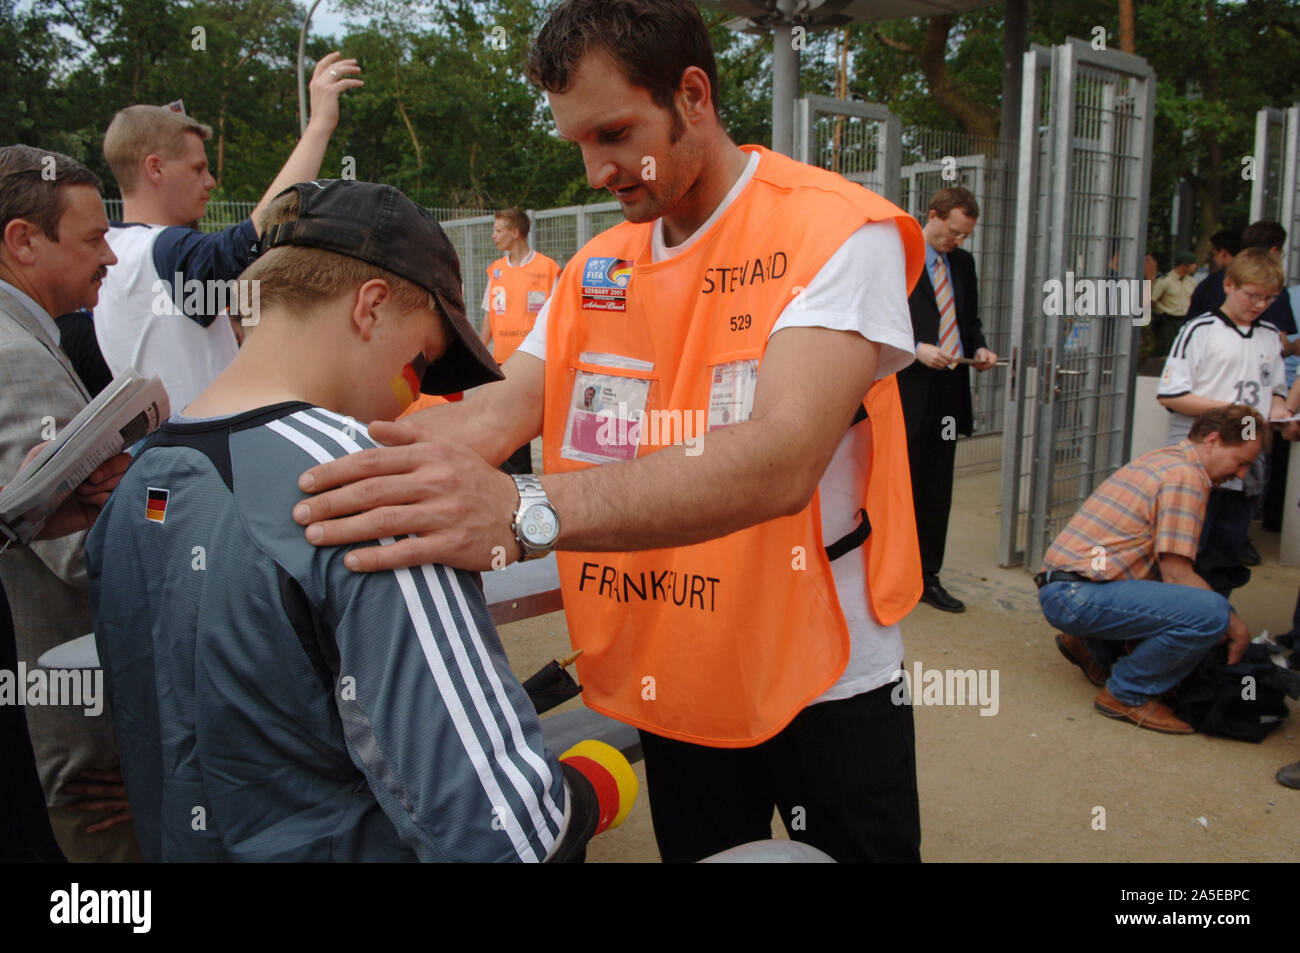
[[948, 342]]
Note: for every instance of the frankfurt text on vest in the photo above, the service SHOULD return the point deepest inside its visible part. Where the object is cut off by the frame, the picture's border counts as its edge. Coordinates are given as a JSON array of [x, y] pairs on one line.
[[682, 588]]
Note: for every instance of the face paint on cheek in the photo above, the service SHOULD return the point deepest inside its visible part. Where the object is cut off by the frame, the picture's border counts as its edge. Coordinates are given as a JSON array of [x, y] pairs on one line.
[[406, 385]]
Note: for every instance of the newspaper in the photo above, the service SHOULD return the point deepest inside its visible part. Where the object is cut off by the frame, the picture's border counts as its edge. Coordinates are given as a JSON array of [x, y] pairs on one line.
[[128, 409]]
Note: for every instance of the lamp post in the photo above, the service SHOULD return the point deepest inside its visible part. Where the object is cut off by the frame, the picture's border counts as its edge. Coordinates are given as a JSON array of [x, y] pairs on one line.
[[302, 79]]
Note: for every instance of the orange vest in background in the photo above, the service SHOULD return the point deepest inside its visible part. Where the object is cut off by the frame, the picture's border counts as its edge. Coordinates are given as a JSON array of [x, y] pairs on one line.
[[720, 643], [425, 401], [515, 296]]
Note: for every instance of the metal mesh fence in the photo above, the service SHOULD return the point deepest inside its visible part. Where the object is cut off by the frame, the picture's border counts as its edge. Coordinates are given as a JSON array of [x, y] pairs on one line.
[[557, 233], [1102, 249], [1078, 297], [217, 216], [853, 146]]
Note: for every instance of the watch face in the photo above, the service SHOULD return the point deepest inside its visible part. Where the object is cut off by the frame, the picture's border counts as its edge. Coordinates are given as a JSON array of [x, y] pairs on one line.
[[539, 525]]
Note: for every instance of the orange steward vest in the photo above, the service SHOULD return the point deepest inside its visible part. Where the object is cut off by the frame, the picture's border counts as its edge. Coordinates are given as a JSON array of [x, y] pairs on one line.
[[720, 643], [515, 296]]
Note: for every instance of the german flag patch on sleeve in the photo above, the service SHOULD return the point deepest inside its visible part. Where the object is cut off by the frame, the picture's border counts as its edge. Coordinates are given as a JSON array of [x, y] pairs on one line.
[[155, 507]]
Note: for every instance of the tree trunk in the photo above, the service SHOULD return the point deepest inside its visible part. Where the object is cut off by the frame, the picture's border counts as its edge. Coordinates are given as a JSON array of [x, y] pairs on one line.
[[1127, 31], [976, 118]]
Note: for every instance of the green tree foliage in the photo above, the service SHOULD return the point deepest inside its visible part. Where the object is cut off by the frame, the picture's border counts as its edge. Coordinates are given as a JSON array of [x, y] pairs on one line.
[[448, 115]]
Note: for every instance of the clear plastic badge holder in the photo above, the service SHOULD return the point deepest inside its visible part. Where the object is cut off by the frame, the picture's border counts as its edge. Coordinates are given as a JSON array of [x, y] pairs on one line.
[[606, 410], [731, 392]]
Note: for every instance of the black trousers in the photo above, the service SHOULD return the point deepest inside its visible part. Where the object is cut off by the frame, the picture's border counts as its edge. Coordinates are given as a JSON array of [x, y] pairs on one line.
[[25, 833], [842, 773], [1274, 504], [931, 458], [1227, 521]]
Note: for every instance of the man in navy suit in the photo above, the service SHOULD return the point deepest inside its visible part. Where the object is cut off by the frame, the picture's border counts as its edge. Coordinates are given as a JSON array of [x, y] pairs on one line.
[[935, 390]]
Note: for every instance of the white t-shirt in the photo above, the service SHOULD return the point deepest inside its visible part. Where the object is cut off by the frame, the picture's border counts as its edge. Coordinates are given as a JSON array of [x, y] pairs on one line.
[[1215, 358], [862, 288], [135, 331]]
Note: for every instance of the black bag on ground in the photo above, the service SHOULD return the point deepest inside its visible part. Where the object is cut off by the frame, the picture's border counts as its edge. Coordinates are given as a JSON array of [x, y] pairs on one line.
[[1211, 698]]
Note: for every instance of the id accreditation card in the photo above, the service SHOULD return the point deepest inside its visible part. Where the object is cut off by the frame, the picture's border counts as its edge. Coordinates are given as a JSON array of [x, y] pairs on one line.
[[731, 392], [605, 415]]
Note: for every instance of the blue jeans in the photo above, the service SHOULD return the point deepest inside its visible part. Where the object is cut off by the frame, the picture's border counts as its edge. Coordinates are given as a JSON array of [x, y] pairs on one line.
[[1174, 626]]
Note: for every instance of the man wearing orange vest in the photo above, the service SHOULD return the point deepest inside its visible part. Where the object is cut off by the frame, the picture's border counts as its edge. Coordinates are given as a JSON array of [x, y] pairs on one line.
[[726, 468], [519, 282]]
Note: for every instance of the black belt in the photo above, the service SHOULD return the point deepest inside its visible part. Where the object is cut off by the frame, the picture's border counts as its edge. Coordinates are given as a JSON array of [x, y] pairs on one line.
[[1060, 575]]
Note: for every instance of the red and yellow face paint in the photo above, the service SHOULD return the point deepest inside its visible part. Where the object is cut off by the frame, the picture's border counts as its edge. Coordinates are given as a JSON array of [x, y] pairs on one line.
[[406, 385]]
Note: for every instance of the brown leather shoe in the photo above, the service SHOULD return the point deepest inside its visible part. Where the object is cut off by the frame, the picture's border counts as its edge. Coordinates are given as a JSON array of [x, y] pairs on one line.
[[1154, 714], [1072, 648]]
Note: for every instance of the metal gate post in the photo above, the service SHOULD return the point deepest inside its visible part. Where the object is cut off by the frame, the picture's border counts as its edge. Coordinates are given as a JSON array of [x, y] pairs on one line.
[[1024, 296]]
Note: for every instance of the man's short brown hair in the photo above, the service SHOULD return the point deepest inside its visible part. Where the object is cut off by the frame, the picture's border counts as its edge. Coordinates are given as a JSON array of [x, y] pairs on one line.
[[1230, 424], [1256, 266], [945, 200], [32, 183], [297, 278], [652, 41], [139, 131], [517, 219]]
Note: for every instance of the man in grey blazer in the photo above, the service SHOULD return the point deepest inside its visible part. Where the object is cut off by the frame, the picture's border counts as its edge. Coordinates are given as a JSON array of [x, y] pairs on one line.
[[53, 257]]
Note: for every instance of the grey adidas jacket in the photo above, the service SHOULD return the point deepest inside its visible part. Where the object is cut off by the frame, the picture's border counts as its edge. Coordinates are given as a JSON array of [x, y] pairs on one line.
[[273, 705]]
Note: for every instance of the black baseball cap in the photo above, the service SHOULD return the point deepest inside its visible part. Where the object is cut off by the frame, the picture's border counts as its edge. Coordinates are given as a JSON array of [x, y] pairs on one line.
[[378, 224]]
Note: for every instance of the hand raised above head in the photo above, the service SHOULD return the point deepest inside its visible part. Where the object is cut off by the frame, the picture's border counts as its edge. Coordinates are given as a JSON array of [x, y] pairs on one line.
[[332, 76]]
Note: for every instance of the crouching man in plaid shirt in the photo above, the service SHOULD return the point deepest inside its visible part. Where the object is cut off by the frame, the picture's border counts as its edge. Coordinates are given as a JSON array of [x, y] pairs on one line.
[[1121, 571]]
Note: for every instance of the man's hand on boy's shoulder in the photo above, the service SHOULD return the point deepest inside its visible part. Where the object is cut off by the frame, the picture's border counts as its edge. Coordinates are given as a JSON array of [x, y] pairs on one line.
[[460, 505]]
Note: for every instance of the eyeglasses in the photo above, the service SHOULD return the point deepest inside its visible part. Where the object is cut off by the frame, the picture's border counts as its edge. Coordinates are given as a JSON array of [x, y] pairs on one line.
[[1258, 299]]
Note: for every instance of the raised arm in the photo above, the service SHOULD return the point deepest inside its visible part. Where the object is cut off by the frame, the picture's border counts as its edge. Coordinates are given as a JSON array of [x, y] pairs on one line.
[[332, 76]]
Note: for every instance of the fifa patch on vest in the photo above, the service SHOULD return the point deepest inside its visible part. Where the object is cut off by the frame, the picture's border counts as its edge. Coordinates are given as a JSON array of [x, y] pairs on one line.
[[155, 507], [604, 284]]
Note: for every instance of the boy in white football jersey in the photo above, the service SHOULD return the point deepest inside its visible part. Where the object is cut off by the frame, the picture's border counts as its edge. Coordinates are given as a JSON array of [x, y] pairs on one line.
[[1225, 356]]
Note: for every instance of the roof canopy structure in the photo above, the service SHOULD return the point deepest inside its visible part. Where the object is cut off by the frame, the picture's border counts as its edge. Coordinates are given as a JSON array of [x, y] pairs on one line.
[[782, 16]]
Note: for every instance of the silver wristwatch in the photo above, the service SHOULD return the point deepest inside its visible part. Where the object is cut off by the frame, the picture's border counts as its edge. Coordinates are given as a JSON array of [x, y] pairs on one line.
[[536, 524]]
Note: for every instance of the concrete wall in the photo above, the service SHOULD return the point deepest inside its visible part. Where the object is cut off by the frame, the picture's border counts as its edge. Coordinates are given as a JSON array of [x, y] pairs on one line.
[[1150, 420]]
